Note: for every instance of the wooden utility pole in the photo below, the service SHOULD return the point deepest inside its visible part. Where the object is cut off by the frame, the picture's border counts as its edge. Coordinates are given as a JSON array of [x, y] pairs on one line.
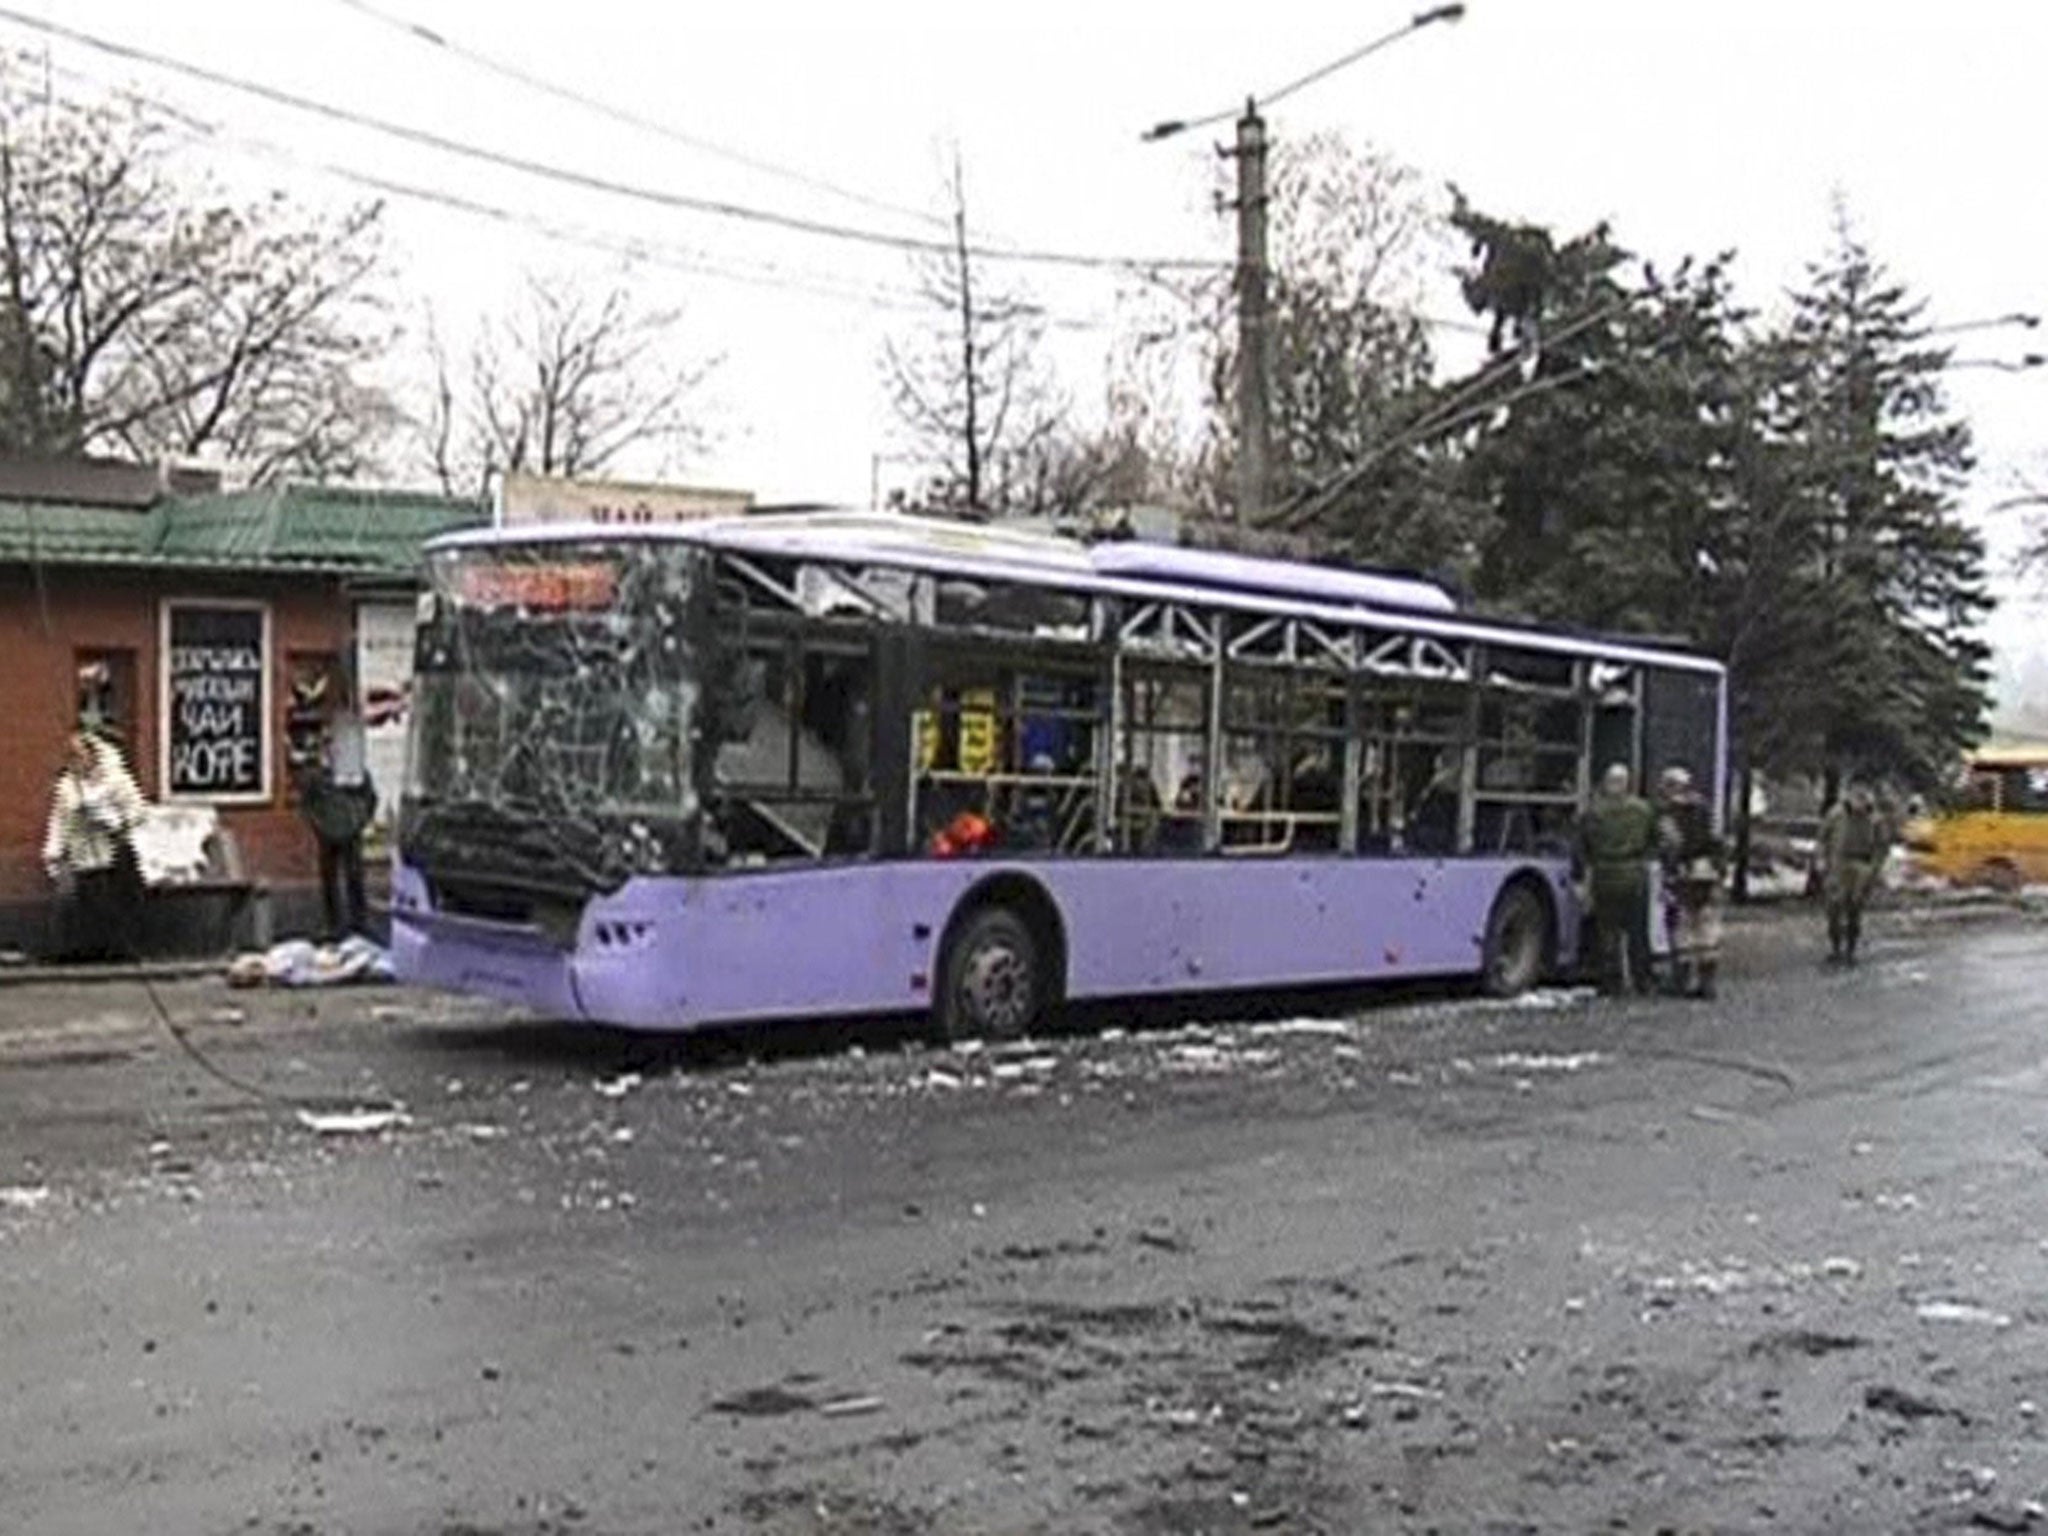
[[1254, 363]]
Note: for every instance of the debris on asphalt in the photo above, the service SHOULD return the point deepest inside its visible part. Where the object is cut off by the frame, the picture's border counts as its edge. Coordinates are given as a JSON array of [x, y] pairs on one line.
[[1960, 1312], [762, 1403], [2006, 1517], [1029, 1066], [353, 1122], [1518, 1061], [848, 1407], [617, 1087], [1804, 1341], [1342, 1029], [1905, 1405], [1404, 1389], [1545, 999], [24, 1197]]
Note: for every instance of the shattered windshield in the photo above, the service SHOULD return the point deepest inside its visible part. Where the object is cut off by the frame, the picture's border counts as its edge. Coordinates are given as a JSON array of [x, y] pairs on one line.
[[555, 700]]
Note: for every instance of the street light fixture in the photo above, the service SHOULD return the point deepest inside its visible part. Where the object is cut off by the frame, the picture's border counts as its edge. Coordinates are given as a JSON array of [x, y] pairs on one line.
[[1416, 23], [1254, 368], [1993, 322], [2003, 364]]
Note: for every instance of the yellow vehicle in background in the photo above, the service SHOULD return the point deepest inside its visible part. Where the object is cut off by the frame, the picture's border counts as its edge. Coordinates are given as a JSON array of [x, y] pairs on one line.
[[1997, 834]]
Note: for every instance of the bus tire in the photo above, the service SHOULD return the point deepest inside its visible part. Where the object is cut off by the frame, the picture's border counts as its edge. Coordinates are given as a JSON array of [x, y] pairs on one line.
[[993, 984], [1516, 955], [2002, 875]]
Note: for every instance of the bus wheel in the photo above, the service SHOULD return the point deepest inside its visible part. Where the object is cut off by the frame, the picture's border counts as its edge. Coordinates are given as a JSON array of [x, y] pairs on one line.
[[1517, 942], [2002, 875], [993, 982]]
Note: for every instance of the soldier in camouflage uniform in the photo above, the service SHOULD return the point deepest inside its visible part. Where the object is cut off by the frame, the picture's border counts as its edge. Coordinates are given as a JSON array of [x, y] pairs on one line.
[[1693, 863], [1854, 840], [1617, 839]]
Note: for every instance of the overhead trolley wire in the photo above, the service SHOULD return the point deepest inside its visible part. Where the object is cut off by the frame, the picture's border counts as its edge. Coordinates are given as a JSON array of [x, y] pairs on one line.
[[584, 180], [760, 274], [433, 38]]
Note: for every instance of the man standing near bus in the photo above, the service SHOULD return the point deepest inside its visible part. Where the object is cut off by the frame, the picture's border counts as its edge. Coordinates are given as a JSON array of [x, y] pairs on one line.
[[1854, 840], [1692, 862], [1617, 839]]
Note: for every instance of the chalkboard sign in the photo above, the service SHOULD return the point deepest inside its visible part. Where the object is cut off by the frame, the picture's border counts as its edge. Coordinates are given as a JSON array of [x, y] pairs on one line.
[[217, 726]]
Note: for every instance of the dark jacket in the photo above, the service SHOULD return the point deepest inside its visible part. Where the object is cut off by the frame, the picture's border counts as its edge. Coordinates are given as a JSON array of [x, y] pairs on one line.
[[1685, 835], [1617, 836], [338, 813]]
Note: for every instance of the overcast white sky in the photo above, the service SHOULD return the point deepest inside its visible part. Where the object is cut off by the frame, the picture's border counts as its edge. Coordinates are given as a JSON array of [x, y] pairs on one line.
[[1693, 128]]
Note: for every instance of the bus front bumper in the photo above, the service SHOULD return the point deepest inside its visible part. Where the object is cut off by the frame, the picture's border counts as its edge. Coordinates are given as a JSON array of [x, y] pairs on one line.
[[504, 961]]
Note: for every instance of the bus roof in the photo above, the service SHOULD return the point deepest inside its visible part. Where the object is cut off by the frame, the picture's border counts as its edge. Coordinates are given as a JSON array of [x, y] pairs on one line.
[[2009, 754], [1158, 572]]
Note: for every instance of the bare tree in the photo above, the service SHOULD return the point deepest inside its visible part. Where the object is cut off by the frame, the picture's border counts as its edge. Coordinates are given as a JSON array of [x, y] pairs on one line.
[[970, 392], [567, 383], [141, 313]]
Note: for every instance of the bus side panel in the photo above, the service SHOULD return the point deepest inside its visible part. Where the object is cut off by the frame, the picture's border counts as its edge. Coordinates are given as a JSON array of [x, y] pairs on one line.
[[771, 944], [675, 953], [866, 938], [1136, 928]]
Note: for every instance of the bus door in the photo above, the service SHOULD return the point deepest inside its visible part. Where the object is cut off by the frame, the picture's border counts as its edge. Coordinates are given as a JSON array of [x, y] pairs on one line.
[[1616, 737]]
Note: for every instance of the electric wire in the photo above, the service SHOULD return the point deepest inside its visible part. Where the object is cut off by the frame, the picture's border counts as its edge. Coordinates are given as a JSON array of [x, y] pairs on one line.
[[1454, 410], [513, 72], [588, 181], [298, 1104], [762, 274]]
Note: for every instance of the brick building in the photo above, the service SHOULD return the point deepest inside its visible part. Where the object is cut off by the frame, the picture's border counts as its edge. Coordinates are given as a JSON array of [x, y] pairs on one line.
[[180, 615]]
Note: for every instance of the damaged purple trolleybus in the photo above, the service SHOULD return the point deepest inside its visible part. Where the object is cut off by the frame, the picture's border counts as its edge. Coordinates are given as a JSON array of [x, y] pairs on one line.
[[816, 763]]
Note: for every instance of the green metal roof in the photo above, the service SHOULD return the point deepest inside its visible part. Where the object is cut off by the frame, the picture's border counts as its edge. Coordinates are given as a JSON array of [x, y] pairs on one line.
[[326, 529]]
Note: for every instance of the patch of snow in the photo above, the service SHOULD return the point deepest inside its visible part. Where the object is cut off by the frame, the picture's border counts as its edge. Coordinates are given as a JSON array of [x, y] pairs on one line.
[[353, 1122], [1517, 1061], [1546, 999], [1342, 1029], [1960, 1312]]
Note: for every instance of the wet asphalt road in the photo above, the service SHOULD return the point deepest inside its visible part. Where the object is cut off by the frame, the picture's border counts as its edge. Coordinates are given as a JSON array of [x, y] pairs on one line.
[[1428, 1263]]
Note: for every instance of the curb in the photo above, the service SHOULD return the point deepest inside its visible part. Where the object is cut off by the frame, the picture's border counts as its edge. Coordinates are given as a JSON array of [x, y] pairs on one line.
[[75, 975], [1790, 908]]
